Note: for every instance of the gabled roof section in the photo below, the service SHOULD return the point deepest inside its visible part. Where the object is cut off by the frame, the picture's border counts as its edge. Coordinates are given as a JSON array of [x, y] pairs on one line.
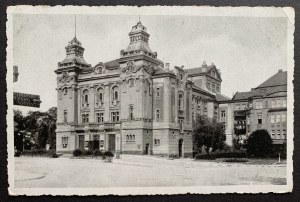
[[112, 64], [242, 95], [276, 80], [204, 69], [221, 97]]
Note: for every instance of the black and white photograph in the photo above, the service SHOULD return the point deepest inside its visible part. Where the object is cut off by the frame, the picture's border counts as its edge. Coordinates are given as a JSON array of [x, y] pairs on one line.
[[149, 100]]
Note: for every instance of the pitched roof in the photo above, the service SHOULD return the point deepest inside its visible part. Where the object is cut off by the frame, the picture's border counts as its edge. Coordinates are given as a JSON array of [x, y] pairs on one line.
[[198, 70], [280, 78], [242, 95], [112, 64], [221, 97]]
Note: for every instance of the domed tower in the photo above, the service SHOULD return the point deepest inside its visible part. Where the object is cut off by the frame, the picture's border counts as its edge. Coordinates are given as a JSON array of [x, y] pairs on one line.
[[137, 66], [67, 94]]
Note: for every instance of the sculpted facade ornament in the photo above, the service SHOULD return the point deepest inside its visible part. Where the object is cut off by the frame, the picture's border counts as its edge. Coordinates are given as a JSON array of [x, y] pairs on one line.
[[99, 69], [66, 78]]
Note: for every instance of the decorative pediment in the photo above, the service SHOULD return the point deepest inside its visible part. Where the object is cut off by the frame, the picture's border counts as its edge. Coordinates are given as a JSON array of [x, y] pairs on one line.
[[99, 69]]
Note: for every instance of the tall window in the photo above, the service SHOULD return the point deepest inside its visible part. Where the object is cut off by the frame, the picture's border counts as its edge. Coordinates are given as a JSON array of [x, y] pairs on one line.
[[278, 118], [259, 119], [65, 116], [115, 116], [115, 96], [266, 103], [131, 112], [180, 101], [64, 141], [85, 97], [100, 117], [278, 103], [213, 86], [284, 103], [258, 105], [283, 134], [85, 118], [223, 116], [157, 115], [273, 103], [65, 91], [157, 92], [272, 119], [278, 134], [283, 117], [100, 96]]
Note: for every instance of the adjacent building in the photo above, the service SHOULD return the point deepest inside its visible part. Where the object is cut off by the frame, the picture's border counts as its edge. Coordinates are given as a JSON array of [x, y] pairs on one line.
[[264, 107], [134, 104]]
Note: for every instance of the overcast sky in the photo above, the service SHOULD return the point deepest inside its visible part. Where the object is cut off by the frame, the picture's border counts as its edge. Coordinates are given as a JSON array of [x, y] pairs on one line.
[[246, 50]]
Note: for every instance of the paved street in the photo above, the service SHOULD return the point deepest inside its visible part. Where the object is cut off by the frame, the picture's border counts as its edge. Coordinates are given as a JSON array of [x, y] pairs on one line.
[[139, 171]]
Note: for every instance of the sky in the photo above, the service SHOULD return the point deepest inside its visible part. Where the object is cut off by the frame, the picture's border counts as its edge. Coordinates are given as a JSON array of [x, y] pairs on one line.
[[247, 50]]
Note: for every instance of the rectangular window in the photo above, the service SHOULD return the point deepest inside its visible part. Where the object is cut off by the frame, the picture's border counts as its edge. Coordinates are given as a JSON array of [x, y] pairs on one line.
[[117, 116], [273, 103], [156, 142], [113, 117], [259, 119], [278, 134], [100, 117], [64, 141], [157, 92], [273, 134], [85, 118], [283, 134], [157, 115], [223, 116], [266, 104], [278, 118], [283, 117], [131, 113], [258, 105], [272, 119], [283, 103], [65, 116], [278, 103]]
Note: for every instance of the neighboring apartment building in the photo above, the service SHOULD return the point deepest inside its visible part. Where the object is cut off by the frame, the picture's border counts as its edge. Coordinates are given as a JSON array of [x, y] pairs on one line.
[[134, 104], [264, 107]]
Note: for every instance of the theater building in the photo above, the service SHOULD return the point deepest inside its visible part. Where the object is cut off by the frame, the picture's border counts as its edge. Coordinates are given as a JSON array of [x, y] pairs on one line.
[[264, 107], [135, 104]]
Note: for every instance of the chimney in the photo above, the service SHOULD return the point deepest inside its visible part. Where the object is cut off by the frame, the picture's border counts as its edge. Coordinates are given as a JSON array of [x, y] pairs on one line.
[[167, 66], [204, 66], [280, 71]]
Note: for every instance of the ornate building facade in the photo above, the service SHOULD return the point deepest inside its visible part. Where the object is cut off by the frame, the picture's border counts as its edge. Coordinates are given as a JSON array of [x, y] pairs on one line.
[[134, 104]]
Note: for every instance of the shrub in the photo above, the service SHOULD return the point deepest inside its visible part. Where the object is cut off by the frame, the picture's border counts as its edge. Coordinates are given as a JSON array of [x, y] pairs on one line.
[[55, 155], [17, 153], [205, 156], [259, 144], [88, 153], [235, 160], [108, 154], [97, 152], [35, 152], [77, 152]]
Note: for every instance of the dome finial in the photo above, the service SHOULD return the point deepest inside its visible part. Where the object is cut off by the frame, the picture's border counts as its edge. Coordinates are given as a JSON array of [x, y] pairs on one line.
[[75, 25]]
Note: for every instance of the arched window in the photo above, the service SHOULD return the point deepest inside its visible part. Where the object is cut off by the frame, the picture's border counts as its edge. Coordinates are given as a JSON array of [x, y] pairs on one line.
[[85, 97], [180, 101], [100, 95], [115, 92], [130, 139], [65, 90], [131, 113]]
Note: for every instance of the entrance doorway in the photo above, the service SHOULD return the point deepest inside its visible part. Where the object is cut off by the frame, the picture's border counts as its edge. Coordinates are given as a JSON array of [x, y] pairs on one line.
[[180, 142], [81, 142], [95, 142], [147, 149], [112, 143]]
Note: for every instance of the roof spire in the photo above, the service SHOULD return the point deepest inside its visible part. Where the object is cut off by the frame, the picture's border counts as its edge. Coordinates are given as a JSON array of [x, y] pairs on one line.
[[75, 25]]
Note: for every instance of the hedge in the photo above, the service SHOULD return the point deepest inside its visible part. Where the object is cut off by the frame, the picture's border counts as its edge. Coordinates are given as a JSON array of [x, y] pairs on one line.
[[213, 156]]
